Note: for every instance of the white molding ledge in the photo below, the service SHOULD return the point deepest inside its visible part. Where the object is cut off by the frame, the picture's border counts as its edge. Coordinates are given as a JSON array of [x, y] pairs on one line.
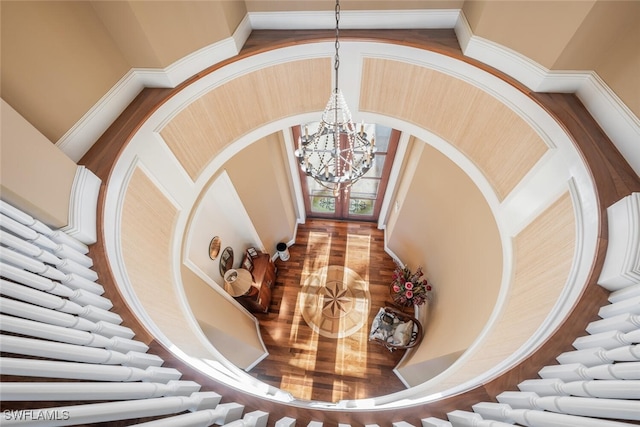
[[83, 206], [622, 263], [360, 19]]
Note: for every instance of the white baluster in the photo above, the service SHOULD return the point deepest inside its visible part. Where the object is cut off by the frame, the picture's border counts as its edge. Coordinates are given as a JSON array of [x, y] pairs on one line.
[[41, 314], [581, 406], [76, 353], [68, 335], [67, 252], [611, 389], [62, 267], [75, 281], [85, 371], [222, 415], [469, 419], [63, 238], [44, 299], [17, 228], [69, 266], [598, 356], [129, 409], [48, 285], [616, 371], [401, 424], [44, 242], [623, 322], [27, 220], [14, 213], [60, 391], [27, 263], [607, 340], [625, 293], [286, 422], [255, 419], [434, 422], [314, 424], [535, 418], [577, 372], [24, 218], [29, 249], [631, 305]]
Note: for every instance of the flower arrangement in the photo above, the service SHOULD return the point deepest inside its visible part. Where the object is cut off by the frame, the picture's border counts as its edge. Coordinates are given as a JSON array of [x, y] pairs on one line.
[[408, 289]]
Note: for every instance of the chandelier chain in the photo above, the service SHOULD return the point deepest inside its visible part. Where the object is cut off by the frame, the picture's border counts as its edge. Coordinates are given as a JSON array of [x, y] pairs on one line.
[[335, 153], [336, 63]]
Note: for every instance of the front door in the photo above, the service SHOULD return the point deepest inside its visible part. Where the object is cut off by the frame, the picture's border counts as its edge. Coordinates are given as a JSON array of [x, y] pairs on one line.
[[362, 201]]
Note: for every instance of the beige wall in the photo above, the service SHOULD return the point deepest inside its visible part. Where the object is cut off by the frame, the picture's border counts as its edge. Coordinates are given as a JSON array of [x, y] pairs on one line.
[[599, 35], [57, 62], [260, 177], [240, 344], [35, 176], [543, 257], [445, 226], [156, 34], [620, 64], [60, 58], [539, 30]]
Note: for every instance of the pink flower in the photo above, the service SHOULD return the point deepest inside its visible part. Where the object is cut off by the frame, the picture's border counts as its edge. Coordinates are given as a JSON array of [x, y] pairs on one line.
[[408, 285], [409, 294], [396, 288]]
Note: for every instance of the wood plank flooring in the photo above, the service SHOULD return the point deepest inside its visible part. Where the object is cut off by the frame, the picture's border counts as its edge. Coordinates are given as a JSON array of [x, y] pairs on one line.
[[311, 366]]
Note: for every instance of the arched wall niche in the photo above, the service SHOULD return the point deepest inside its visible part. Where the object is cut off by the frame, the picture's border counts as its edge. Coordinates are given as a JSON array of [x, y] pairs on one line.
[[519, 200]]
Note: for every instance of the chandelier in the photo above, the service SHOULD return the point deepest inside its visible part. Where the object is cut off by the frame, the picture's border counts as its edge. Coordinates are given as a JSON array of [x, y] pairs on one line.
[[336, 154]]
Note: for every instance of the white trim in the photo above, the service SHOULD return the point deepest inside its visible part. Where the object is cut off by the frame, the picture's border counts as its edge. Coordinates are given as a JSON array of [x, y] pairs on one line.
[[301, 212], [83, 206], [354, 19], [79, 139], [394, 174]]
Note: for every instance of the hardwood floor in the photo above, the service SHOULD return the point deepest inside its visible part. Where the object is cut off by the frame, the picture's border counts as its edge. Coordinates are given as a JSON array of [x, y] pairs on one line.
[[311, 366]]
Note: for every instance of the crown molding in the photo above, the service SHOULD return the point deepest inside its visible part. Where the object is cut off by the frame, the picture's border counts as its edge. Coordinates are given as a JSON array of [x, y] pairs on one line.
[[352, 19]]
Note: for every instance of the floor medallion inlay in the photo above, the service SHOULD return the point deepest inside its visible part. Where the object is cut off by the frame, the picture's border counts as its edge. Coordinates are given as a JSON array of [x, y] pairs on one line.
[[334, 301]]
